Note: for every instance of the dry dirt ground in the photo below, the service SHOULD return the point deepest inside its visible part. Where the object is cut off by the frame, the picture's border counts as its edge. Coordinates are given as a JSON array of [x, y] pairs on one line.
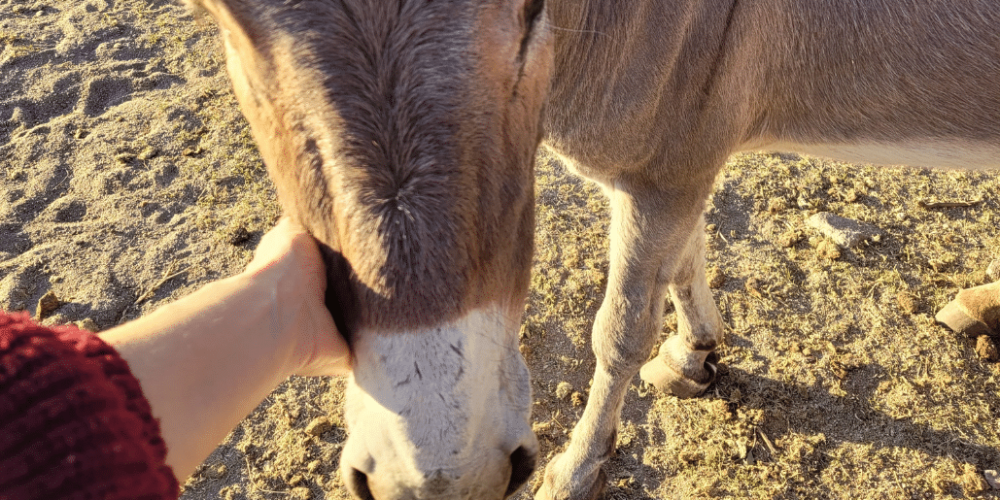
[[129, 179]]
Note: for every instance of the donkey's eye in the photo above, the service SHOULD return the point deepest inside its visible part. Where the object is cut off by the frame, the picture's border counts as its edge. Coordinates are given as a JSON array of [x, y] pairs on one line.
[[532, 9]]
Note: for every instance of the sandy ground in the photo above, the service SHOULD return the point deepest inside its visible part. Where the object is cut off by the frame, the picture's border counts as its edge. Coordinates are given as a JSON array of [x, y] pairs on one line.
[[129, 179]]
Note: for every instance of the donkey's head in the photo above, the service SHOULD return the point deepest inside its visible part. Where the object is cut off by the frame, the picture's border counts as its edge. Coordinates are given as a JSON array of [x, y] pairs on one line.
[[402, 134]]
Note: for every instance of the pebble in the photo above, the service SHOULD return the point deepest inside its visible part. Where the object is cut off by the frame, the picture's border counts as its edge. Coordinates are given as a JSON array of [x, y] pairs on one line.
[[87, 324], [987, 349], [48, 303], [563, 390], [993, 478], [846, 233], [318, 426]]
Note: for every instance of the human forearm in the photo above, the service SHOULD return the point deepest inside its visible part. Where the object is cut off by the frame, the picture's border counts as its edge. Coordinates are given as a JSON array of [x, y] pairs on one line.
[[208, 359], [205, 362]]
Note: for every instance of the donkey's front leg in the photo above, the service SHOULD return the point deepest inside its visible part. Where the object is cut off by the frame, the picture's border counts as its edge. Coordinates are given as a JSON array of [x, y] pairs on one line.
[[650, 234]]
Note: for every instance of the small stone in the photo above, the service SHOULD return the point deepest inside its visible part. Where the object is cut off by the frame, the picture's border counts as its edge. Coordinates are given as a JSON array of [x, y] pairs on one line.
[[993, 271], [993, 478], [295, 480], [46, 305], [147, 153], [577, 399], [318, 426], [80, 133], [987, 349], [195, 151], [716, 278], [87, 324], [846, 233], [563, 390]]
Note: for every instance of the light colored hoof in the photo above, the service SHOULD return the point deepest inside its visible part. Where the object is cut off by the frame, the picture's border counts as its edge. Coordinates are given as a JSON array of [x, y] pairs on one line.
[[576, 489], [669, 379], [974, 312]]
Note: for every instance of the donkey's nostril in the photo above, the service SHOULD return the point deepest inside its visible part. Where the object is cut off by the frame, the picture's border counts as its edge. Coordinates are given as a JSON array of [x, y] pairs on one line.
[[522, 464], [357, 484]]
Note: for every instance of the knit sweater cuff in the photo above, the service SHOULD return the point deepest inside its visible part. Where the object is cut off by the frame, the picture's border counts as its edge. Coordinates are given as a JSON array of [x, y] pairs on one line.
[[74, 423]]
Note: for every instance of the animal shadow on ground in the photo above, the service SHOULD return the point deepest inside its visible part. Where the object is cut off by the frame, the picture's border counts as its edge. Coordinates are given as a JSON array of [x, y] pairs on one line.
[[790, 408]]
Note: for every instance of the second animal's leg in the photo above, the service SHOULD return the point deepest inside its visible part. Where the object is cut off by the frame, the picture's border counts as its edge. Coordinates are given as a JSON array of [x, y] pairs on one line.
[[650, 236], [685, 365]]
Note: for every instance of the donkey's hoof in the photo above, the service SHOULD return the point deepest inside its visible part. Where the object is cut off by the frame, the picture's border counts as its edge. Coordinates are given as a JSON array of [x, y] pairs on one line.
[[672, 380], [565, 485], [974, 312]]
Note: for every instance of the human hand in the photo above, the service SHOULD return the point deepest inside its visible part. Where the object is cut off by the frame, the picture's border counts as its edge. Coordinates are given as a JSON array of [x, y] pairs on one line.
[[288, 262]]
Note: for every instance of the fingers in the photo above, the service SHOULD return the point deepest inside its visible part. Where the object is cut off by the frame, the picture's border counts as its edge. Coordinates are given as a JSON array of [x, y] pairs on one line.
[[286, 238], [288, 253]]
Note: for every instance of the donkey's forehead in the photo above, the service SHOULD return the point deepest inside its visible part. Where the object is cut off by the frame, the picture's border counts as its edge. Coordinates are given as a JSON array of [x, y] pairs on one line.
[[384, 138]]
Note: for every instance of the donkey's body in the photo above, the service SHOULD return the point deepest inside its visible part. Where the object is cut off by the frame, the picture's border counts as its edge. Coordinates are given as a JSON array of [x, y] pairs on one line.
[[401, 134], [651, 98]]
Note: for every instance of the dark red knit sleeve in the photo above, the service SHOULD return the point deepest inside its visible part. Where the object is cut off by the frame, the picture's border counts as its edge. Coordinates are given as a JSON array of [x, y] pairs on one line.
[[73, 421]]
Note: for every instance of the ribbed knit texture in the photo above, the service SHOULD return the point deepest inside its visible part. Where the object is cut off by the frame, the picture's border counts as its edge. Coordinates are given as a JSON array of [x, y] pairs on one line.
[[73, 421]]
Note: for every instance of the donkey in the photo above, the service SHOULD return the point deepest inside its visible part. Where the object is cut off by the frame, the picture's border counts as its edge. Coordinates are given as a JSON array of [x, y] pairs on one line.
[[402, 133]]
